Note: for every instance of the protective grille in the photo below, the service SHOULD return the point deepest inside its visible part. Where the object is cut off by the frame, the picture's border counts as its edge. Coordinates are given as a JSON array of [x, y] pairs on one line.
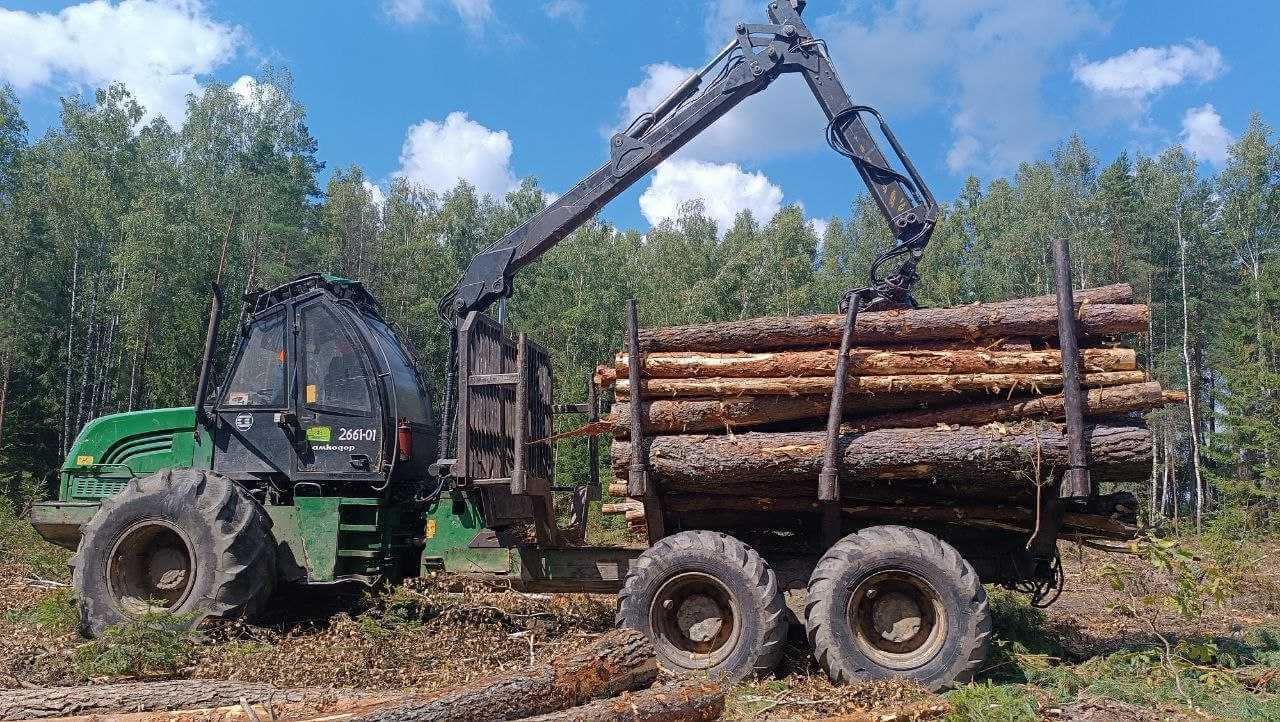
[[95, 487]]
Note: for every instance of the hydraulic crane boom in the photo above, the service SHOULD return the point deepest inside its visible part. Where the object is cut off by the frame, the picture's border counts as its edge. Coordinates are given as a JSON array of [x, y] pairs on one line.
[[756, 56]]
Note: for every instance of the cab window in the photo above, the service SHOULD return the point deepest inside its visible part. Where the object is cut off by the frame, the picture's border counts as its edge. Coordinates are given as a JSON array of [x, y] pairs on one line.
[[333, 375], [259, 378]]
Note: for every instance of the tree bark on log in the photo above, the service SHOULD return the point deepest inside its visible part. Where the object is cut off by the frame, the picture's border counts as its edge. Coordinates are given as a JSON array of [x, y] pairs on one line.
[[996, 516], [870, 362], [620, 661], [100, 699], [1002, 457], [867, 386], [691, 701], [960, 322], [1115, 293], [682, 416], [330, 709]]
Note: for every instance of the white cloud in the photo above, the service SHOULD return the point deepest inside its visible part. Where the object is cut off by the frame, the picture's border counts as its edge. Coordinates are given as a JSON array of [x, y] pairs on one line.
[[436, 155], [754, 130], [253, 94], [473, 13], [995, 93], [985, 61], [819, 226], [375, 192], [574, 11], [724, 189], [158, 48], [1204, 136], [1139, 73]]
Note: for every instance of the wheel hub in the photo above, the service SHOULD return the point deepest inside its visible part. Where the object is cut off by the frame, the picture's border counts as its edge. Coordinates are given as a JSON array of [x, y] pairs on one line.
[[699, 618], [897, 619], [695, 621], [151, 566]]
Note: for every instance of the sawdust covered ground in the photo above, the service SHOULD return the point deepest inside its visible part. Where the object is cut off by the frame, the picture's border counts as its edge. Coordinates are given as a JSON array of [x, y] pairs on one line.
[[432, 633]]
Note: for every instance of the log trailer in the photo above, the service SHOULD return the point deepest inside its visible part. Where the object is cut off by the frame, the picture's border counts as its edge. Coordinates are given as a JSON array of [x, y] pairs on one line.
[[318, 459]]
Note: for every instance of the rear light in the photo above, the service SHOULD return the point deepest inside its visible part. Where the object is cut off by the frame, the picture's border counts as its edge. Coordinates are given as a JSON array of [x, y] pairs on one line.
[[404, 440]]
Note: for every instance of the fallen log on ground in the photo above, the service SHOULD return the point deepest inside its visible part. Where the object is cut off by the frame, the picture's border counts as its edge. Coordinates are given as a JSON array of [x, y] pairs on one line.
[[690, 701], [867, 386], [870, 362], [679, 416], [1001, 456], [333, 708], [620, 661], [960, 322], [134, 697]]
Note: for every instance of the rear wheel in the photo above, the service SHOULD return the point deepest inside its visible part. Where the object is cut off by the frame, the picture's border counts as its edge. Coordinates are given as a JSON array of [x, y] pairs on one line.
[[183, 541], [709, 603], [892, 601]]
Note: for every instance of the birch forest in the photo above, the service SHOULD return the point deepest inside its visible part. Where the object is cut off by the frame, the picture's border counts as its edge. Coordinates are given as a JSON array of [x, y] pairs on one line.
[[112, 231]]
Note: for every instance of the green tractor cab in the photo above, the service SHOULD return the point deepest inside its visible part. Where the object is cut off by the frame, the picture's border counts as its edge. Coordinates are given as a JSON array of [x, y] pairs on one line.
[[314, 462]]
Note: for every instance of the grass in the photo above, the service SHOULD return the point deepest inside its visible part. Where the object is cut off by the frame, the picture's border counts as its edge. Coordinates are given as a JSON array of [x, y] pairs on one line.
[[21, 545], [1234, 677], [54, 612]]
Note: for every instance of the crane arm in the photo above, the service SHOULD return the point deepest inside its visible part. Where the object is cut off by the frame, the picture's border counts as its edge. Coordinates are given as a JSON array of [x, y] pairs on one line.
[[757, 55]]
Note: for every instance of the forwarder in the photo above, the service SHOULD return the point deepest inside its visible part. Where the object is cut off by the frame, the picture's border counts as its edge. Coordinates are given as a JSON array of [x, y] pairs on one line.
[[317, 459]]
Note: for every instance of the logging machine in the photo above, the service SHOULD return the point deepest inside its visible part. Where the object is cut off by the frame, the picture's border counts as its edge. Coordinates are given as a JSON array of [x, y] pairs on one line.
[[317, 460]]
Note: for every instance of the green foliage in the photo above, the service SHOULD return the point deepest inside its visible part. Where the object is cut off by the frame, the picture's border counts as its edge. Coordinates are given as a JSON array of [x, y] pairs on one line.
[[1024, 647], [987, 702], [20, 544], [157, 642], [1196, 585], [55, 612], [118, 228]]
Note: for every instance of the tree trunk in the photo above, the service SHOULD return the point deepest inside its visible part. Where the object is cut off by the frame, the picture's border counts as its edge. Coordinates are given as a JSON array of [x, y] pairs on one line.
[[680, 416], [869, 362], [687, 701], [870, 386], [1186, 361], [71, 333], [621, 660], [133, 697], [982, 454], [962, 322]]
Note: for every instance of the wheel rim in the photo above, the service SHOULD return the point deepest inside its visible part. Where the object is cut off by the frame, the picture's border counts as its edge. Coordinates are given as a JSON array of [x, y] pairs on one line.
[[151, 566], [898, 619], [695, 620]]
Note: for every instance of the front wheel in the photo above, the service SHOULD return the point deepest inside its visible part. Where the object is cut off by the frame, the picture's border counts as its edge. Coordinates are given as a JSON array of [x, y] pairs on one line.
[[891, 601], [708, 603], [184, 541]]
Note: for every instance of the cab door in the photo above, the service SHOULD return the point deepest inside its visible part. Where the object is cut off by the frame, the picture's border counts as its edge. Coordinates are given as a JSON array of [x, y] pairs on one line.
[[336, 399], [249, 439]]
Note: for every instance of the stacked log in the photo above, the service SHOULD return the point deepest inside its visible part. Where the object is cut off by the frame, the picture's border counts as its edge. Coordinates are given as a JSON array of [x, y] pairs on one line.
[[950, 413]]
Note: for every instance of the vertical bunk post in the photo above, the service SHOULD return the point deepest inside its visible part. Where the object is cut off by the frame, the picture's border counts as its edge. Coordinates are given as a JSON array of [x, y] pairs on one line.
[[1076, 481], [519, 461], [638, 485], [829, 476]]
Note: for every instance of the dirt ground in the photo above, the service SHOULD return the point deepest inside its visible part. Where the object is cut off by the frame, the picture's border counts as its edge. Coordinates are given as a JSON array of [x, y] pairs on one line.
[[428, 635]]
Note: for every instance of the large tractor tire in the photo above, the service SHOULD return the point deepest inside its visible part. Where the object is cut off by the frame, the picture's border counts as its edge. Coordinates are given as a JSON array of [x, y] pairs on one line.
[[184, 541], [709, 604], [891, 601]]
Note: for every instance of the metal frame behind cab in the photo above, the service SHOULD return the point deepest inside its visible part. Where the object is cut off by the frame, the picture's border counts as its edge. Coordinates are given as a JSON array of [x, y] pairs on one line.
[[505, 402]]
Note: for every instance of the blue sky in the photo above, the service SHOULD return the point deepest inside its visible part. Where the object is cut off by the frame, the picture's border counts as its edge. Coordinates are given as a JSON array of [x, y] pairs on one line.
[[496, 90]]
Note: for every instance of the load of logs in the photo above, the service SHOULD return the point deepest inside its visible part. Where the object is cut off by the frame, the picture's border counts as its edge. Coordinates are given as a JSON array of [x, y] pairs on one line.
[[951, 414], [612, 679]]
